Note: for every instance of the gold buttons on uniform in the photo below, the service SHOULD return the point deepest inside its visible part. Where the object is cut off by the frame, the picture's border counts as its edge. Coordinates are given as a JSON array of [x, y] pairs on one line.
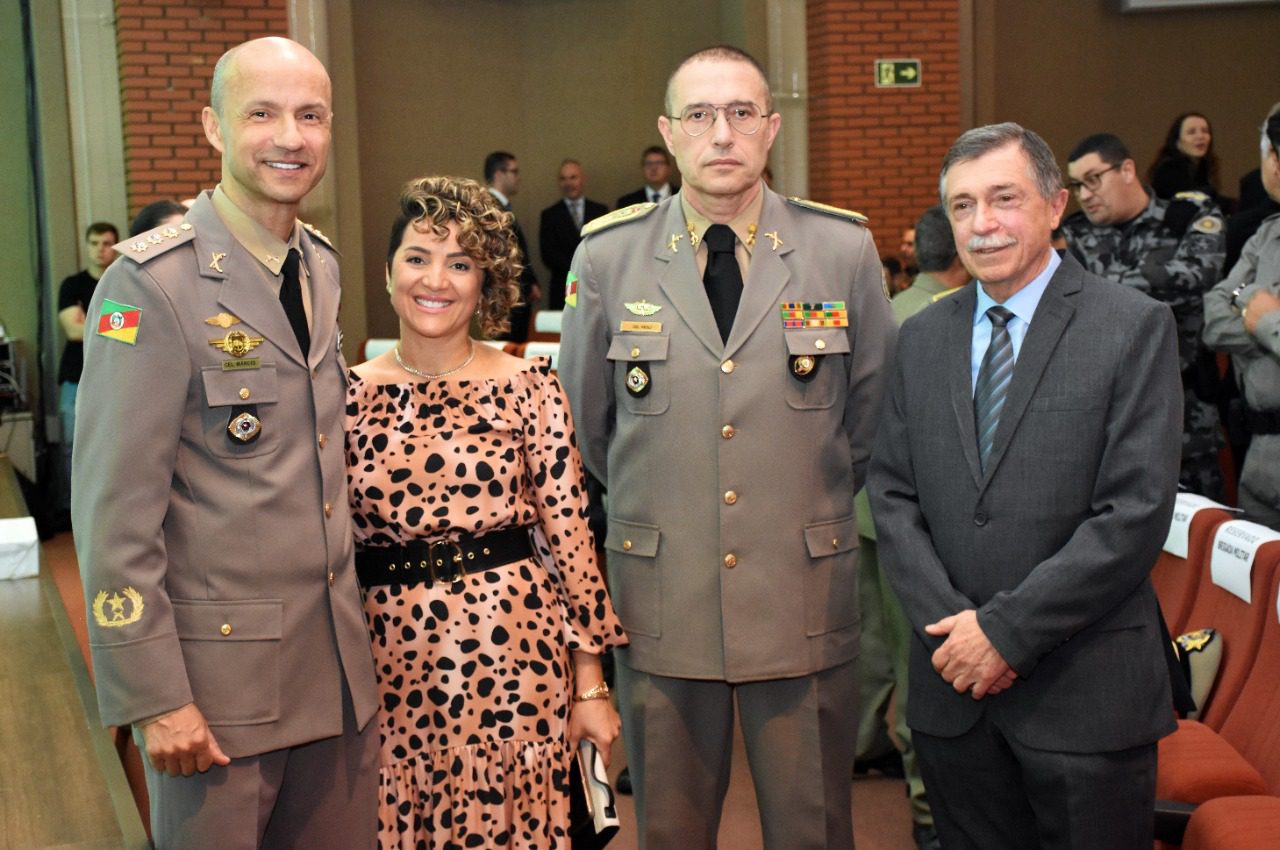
[[731, 560], [328, 509], [820, 344], [244, 392], [226, 629], [626, 546], [332, 579], [322, 439], [835, 543], [730, 497], [635, 352], [727, 366], [727, 432]]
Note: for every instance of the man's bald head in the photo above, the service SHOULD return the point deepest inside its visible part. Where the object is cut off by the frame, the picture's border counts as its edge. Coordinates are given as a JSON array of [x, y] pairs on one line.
[[270, 48]]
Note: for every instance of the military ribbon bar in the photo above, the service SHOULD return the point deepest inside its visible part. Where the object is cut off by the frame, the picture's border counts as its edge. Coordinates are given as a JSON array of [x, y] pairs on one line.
[[825, 314]]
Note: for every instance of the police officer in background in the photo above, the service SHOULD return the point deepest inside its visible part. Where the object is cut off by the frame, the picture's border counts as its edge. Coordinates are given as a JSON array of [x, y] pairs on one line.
[[1242, 316], [1171, 250], [210, 492], [725, 353]]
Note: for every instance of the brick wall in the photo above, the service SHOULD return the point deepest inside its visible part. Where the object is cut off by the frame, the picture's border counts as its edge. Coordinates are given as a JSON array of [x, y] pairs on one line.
[[878, 150], [167, 54]]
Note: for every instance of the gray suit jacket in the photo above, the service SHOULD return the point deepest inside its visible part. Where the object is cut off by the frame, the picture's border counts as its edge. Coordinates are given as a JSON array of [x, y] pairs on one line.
[[1054, 543], [723, 417], [224, 569]]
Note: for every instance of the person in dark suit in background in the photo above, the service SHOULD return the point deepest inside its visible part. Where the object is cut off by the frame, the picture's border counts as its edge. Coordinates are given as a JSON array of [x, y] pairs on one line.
[[1021, 493], [560, 225], [502, 176], [656, 164]]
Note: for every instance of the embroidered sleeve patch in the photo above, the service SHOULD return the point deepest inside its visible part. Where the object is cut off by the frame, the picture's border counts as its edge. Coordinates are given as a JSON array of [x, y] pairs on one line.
[[119, 321]]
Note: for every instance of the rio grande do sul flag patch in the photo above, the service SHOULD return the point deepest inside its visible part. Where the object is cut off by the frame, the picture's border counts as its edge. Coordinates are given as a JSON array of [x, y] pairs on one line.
[[119, 321]]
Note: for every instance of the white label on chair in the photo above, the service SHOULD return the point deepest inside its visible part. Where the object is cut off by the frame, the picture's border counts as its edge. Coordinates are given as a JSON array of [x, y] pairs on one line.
[[1184, 510], [1235, 545]]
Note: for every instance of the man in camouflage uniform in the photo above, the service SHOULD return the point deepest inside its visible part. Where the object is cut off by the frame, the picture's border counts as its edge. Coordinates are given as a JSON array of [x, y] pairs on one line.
[[1171, 250]]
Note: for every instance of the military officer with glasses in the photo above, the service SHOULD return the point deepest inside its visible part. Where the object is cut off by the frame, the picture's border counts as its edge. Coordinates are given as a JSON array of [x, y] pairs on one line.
[[724, 352], [1173, 251]]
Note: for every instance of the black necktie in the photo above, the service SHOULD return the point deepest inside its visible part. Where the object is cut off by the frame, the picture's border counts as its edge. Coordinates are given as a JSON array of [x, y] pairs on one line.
[[291, 300], [657, 197], [993, 381], [723, 277]]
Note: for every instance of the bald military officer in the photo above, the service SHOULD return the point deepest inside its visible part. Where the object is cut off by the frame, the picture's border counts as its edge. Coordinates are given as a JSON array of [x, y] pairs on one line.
[[724, 352], [210, 492]]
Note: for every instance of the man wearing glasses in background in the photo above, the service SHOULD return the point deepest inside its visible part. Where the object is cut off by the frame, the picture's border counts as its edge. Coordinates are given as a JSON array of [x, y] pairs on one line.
[[725, 352], [1172, 251], [657, 187]]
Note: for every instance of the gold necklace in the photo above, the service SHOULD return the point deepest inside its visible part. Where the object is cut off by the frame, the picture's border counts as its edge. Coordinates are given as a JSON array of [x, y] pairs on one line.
[[446, 373]]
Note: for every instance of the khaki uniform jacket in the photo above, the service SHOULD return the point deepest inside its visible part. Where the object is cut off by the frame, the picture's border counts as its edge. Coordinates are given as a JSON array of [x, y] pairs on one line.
[[732, 550], [218, 571]]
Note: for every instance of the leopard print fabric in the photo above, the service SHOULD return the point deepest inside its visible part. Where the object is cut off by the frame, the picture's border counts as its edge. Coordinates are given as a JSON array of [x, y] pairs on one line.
[[475, 685]]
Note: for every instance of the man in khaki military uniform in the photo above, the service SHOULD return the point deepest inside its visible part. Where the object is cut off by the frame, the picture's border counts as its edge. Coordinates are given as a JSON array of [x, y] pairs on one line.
[[210, 493], [724, 352]]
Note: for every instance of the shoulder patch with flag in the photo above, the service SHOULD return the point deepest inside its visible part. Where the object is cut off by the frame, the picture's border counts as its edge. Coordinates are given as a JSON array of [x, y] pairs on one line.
[[571, 290], [119, 321]]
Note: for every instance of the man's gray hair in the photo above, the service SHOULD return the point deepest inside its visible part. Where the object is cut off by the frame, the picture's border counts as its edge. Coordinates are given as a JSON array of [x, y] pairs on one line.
[[935, 245], [981, 141], [221, 71]]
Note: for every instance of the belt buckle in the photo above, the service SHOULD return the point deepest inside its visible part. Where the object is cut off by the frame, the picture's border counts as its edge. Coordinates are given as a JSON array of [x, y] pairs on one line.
[[454, 558]]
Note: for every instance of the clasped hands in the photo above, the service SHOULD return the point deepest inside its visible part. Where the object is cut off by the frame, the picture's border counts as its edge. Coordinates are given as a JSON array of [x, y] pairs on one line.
[[967, 660]]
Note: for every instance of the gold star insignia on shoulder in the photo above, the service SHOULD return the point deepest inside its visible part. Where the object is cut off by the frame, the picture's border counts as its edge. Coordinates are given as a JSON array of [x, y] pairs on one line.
[[138, 247], [236, 343], [633, 212], [184, 226], [828, 209], [169, 232], [216, 262], [119, 608], [222, 320], [155, 239]]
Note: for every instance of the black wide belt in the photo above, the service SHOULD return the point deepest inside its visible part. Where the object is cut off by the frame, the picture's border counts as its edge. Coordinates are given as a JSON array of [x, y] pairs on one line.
[[444, 561], [1262, 421]]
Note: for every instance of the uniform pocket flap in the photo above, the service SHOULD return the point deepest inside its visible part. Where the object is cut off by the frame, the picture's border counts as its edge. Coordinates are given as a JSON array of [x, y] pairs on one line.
[[239, 386], [632, 538], [831, 538], [257, 619], [817, 341], [638, 347]]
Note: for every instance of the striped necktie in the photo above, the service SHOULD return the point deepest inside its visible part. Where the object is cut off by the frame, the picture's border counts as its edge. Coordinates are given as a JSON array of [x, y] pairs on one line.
[[993, 381]]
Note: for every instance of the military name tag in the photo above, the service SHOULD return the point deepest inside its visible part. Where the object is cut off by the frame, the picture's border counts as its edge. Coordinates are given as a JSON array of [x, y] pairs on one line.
[[242, 363], [641, 327]]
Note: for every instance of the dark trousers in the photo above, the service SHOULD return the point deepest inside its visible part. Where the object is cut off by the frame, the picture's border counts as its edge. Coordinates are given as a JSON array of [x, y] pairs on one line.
[[989, 792]]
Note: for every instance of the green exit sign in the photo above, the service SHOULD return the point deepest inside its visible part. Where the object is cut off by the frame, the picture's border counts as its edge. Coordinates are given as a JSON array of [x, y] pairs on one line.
[[897, 73]]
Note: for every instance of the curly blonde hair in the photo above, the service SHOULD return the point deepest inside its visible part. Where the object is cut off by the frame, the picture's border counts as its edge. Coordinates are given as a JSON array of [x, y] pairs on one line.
[[484, 233]]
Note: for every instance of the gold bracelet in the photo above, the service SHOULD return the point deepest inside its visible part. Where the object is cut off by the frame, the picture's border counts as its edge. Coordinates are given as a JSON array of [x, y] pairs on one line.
[[600, 691]]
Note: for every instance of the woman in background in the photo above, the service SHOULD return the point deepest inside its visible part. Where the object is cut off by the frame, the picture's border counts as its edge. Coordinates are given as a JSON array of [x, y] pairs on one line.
[[1186, 161], [485, 606]]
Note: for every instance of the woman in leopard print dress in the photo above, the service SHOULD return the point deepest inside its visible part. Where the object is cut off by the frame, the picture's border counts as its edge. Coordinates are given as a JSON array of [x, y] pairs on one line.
[[486, 609]]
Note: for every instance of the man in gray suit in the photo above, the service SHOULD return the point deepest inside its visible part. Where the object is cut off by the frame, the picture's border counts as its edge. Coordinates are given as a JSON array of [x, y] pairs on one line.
[[210, 492], [1021, 493], [724, 353]]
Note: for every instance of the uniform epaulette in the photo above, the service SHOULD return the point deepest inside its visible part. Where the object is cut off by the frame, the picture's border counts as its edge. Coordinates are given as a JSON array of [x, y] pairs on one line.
[[317, 235], [153, 243], [829, 210], [635, 212], [946, 293], [1192, 195]]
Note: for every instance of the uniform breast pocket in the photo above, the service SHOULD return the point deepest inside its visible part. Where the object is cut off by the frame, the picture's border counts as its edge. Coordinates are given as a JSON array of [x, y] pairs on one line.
[[232, 654], [641, 377], [816, 364], [241, 411]]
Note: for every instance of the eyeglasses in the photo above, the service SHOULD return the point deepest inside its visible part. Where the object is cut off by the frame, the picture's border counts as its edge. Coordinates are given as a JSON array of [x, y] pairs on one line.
[[1090, 181], [698, 118]]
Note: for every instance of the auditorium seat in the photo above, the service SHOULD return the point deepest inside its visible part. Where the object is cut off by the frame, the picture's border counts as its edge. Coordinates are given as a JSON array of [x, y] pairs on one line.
[[1250, 736], [1177, 579]]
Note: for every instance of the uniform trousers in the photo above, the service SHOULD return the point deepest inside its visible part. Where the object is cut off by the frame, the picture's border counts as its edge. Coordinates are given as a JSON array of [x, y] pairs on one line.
[[799, 736], [990, 792], [323, 794]]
